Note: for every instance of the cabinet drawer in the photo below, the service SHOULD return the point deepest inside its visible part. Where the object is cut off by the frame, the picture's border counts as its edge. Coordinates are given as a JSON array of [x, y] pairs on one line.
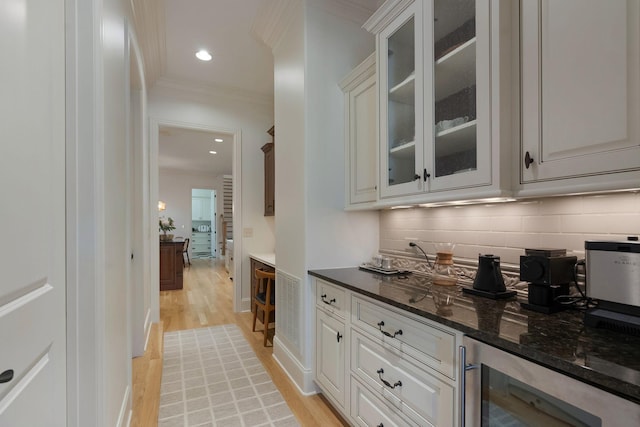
[[367, 410], [419, 395], [429, 344], [330, 298]]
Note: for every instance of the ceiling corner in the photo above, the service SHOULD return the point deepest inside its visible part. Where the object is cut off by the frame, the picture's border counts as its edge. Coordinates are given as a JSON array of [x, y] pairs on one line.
[[150, 29], [272, 21], [357, 11]]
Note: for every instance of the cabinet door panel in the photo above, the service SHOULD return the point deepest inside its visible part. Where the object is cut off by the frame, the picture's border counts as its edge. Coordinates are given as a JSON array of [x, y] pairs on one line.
[[363, 134], [458, 117], [330, 356], [580, 87], [401, 108]]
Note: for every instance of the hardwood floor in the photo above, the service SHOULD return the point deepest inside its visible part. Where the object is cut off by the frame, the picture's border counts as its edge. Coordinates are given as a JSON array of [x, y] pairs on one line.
[[206, 300]]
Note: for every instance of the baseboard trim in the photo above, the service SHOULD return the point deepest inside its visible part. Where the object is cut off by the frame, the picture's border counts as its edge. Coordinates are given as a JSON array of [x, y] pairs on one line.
[[300, 376], [245, 305]]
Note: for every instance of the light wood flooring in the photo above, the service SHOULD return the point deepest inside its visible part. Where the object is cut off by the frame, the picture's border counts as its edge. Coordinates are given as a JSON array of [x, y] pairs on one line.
[[206, 300]]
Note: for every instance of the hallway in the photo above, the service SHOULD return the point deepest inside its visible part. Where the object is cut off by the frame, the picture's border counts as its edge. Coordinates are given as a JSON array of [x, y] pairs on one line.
[[206, 300]]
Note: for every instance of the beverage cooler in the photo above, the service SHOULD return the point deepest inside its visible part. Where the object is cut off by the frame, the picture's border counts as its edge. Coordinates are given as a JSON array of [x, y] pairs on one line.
[[501, 389]]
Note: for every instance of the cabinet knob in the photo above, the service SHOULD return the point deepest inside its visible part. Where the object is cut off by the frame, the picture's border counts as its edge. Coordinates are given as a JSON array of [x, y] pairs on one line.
[[527, 160], [416, 177], [6, 376], [338, 336], [426, 174]]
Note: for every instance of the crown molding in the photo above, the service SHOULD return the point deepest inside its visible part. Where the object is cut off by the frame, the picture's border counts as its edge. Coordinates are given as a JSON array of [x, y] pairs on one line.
[[362, 72], [386, 14], [273, 19], [150, 29], [215, 91]]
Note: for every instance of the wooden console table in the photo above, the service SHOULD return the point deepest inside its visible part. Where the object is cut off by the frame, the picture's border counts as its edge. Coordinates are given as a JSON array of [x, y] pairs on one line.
[[171, 265]]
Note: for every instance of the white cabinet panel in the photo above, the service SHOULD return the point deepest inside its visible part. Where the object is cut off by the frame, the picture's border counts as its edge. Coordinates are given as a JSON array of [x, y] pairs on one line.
[[430, 345], [580, 89], [419, 395], [330, 356], [361, 134], [367, 410], [331, 298]]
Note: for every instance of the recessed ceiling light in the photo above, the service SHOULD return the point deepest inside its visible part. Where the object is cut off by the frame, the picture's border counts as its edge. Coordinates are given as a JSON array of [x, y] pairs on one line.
[[203, 55], [212, 152], [218, 140]]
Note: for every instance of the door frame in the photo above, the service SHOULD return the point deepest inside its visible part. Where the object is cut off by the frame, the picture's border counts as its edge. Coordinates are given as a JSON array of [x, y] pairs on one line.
[[154, 137]]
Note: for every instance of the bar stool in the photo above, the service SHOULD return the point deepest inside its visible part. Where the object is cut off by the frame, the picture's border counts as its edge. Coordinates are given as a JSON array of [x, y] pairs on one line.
[[264, 298]]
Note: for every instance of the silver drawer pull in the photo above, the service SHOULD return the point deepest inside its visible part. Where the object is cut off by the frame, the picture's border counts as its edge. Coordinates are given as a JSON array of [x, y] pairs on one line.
[[331, 301], [387, 383], [381, 324]]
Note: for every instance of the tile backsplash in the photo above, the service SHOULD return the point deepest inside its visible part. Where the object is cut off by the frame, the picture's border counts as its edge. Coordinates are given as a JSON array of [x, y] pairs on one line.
[[506, 229]]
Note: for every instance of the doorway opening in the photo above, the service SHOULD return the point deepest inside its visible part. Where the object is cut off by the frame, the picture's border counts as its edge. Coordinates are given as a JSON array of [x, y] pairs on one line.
[[204, 241]]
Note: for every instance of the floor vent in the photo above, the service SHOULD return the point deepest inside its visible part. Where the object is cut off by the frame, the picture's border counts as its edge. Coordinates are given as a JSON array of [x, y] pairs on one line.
[[288, 295]]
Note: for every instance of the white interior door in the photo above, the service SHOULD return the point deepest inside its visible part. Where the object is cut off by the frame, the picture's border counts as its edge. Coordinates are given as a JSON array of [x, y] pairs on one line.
[[32, 190]]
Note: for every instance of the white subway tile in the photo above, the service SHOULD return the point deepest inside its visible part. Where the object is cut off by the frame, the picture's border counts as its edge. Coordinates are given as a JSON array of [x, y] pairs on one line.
[[614, 203], [541, 224]]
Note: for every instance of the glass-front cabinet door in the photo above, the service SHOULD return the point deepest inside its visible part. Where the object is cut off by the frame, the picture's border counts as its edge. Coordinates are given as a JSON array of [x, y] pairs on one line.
[[457, 114], [401, 106], [434, 79]]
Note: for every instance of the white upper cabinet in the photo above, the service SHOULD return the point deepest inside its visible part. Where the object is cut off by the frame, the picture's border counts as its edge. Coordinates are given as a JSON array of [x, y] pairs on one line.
[[580, 77], [400, 79], [200, 209], [443, 76], [361, 135]]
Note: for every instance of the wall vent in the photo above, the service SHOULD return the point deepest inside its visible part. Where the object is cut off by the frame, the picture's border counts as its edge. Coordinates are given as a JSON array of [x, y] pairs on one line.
[[288, 320]]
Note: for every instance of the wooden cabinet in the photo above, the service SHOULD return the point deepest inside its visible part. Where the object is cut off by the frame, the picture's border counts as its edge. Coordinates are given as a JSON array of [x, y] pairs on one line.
[[269, 176], [580, 96], [444, 82], [361, 134], [379, 365], [171, 265]]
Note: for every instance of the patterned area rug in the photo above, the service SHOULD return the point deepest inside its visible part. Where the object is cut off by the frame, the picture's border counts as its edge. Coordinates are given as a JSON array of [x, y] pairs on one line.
[[212, 377]]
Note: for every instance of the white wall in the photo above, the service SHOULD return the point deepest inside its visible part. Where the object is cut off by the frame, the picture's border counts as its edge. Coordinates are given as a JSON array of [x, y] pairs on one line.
[[99, 343], [312, 229], [252, 119]]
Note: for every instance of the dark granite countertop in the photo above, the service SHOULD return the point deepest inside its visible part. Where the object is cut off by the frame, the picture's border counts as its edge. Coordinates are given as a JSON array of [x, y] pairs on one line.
[[560, 341]]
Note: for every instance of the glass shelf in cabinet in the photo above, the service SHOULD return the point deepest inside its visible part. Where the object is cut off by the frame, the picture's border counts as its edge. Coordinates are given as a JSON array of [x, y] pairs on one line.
[[405, 150], [457, 139], [456, 70], [404, 91]]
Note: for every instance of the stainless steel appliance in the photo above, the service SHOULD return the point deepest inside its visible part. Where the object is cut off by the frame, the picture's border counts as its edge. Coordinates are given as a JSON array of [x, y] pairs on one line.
[[613, 279], [500, 389]]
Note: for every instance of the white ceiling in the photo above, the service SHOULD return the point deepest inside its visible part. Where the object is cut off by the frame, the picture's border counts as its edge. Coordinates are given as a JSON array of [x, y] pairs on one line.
[[172, 32], [188, 150], [223, 28]]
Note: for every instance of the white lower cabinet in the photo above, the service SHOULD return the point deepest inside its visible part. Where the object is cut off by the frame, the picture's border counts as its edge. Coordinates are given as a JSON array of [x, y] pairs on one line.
[[382, 366], [330, 356], [402, 383], [368, 410]]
